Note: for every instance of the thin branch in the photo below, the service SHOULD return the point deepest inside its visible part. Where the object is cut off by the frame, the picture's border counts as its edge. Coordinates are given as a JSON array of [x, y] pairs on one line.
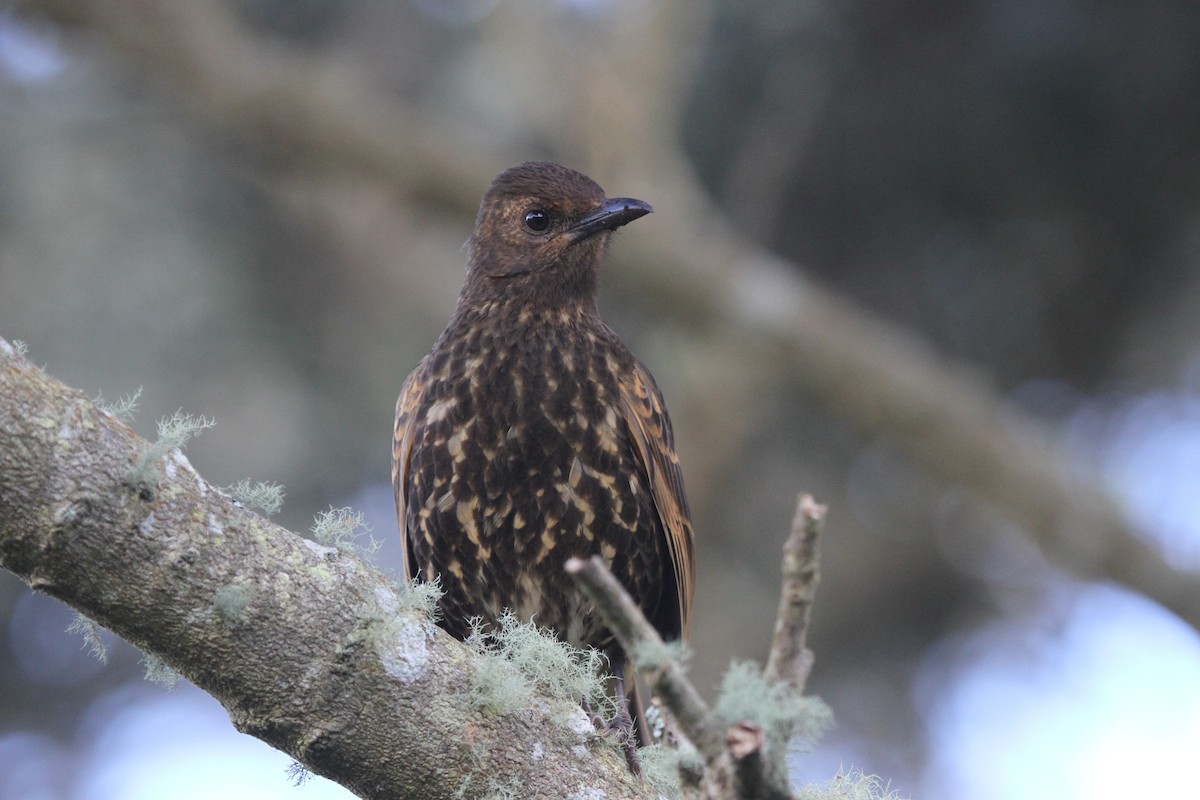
[[307, 648], [639, 638], [790, 660], [736, 764]]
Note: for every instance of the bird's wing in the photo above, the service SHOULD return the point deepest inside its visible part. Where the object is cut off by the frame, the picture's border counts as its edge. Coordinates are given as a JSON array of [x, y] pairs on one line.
[[646, 416], [407, 407]]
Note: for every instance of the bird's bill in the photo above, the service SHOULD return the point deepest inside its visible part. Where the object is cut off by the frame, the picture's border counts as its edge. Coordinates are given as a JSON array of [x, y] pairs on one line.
[[615, 212]]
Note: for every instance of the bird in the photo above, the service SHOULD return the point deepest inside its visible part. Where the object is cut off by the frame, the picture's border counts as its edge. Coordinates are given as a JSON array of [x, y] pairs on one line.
[[531, 434]]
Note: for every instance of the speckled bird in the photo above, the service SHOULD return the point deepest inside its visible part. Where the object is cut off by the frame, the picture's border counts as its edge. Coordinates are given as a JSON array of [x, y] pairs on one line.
[[531, 434]]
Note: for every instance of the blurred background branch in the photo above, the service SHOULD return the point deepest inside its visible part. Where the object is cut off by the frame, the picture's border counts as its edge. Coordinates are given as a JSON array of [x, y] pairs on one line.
[[693, 266], [991, 341]]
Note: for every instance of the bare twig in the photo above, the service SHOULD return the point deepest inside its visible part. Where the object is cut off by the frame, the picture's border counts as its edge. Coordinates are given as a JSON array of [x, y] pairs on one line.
[[735, 765], [738, 762], [638, 636], [790, 660]]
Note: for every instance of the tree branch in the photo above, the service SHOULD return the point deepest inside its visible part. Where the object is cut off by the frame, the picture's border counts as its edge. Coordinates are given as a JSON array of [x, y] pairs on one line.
[[648, 652], [308, 649], [790, 660], [739, 762]]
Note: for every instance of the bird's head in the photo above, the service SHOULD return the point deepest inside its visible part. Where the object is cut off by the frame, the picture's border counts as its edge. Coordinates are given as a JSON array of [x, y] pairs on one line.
[[540, 236]]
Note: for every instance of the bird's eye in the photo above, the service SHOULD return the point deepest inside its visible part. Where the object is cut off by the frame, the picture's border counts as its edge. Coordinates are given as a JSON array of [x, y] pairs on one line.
[[537, 220]]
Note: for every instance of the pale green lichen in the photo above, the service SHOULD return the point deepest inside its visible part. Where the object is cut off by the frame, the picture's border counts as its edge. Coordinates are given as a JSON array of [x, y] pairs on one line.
[[852, 785], [661, 766], [746, 695], [656, 655], [90, 632], [341, 528], [157, 671], [123, 408], [786, 718], [519, 659], [262, 496], [173, 433], [421, 597], [231, 601]]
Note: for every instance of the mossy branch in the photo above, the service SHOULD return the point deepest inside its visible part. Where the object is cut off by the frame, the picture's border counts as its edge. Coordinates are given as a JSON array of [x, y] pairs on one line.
[[638, 637], [308, 649], [744, 740]]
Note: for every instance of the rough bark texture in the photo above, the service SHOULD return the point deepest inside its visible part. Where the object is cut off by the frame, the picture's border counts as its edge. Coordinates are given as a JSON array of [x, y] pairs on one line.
[[307, 648]]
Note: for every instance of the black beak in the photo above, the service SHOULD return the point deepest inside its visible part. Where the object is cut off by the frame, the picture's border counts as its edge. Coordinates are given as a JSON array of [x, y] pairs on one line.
[[615, 212]]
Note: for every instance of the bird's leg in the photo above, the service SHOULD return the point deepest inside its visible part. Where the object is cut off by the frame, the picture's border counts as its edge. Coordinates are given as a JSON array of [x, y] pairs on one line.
[[622, 723]]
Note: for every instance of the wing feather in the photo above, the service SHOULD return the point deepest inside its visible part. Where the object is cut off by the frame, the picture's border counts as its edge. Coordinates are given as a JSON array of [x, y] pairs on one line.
[[407, 407], [645, 415]]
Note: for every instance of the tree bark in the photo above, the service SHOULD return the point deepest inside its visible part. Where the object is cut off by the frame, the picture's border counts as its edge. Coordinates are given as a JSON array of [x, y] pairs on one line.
[[308, 649]]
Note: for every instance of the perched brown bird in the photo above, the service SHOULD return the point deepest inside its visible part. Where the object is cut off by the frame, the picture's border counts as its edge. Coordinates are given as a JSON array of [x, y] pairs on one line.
[[530, 433]]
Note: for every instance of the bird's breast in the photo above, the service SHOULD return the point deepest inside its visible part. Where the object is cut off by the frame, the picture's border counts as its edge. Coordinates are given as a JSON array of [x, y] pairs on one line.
[[521, 460]]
